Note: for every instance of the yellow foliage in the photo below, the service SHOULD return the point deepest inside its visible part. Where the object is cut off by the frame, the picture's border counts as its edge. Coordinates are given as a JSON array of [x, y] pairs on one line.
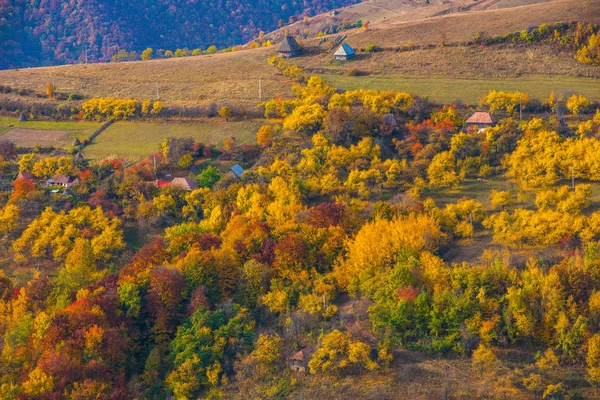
[[506, 101], [110, 108]]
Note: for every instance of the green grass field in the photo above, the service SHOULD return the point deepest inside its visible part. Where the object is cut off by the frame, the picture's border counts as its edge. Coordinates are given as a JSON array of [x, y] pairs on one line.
[[88, 127], [448, 90], [135, 140]]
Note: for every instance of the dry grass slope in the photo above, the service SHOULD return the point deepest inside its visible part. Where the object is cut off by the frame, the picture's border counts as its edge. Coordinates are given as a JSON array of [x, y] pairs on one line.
[[233, 77]]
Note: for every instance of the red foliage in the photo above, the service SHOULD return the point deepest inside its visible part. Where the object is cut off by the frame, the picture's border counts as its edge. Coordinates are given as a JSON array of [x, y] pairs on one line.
[[291, 252], [86, 176], [151, 255], [326, 214], [407, 293], [164, 297], [208, 241], [22, 187]]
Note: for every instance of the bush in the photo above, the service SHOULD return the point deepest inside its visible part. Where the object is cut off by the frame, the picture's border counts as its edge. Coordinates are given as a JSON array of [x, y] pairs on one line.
[[372, 48], [209, 177], [75, 96]]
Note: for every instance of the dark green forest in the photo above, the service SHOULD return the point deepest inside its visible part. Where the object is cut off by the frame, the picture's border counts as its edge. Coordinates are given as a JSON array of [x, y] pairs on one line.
[[48, 32]]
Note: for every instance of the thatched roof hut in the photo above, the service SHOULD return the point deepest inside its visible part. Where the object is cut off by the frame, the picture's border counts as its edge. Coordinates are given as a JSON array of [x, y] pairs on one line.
[[289, 47]]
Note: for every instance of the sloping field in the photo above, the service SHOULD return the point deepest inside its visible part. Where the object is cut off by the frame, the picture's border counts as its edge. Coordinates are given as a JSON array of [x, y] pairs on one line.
[[44, 133], [234, 77], [461, 26], [448, 90], [35, 137], [135, 140], [221, 78]]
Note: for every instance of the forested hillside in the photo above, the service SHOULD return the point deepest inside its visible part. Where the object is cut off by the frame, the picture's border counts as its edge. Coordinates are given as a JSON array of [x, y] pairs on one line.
[[48, 32]]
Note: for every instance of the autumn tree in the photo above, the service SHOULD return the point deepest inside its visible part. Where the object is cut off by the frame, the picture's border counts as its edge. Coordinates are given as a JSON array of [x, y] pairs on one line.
[[264, 135], [50, 89], [576, 103], [225, 112], [593, 360], [147, 54]]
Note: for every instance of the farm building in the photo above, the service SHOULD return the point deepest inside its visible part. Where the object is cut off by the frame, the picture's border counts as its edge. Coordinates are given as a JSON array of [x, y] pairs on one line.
[[62, 180], [235, 172], [289, 47], [25, 175], [184, 183], [344, 52], [299, 361], [481, 120]]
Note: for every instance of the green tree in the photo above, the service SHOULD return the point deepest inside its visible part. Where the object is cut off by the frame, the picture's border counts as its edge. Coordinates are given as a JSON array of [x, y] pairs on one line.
[[208, 177]]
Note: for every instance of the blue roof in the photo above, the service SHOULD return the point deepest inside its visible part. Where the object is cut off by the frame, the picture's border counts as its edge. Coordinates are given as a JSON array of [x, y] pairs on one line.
[[237, 170], [344, 50]]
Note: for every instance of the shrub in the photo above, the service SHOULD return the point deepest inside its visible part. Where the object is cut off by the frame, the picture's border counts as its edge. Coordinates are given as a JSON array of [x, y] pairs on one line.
[[372, 48]]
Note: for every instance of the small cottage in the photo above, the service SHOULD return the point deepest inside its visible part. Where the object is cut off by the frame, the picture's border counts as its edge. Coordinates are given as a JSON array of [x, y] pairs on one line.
[[62, 180], [289, 48], [183, 183], [299, 361], [237, 170], [25, 175], [481, 120], [344, 53]]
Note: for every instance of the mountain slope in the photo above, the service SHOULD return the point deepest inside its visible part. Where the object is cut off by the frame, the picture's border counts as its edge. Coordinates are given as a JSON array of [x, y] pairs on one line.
[[49, 32], [233, 77]]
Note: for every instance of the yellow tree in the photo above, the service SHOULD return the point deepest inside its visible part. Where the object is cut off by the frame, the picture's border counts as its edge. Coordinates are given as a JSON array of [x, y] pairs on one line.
[[264, 135], [441, 172], [593, 360], [225, 112], [576, 103]]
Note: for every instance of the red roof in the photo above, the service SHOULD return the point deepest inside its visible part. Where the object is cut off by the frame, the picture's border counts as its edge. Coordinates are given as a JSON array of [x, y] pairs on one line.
[[161, 184], [25, 175], [62, 179], [184, 183], [482, 117]]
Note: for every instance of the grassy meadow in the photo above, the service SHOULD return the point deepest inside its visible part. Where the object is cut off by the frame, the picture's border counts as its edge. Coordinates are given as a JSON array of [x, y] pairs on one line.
[[448, 90], [44, 133], [86, 127], [135, 140]]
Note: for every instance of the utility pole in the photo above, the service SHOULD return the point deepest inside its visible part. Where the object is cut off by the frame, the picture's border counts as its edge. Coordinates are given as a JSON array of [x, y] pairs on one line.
[[85, 49], [260, 88], [157, 94], [520, 107]]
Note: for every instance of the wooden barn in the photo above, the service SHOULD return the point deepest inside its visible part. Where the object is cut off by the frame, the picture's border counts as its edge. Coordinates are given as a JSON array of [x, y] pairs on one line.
[[289, 47]]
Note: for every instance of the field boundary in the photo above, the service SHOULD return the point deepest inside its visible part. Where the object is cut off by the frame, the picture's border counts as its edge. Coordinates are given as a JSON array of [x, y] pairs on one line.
[[95, 134]]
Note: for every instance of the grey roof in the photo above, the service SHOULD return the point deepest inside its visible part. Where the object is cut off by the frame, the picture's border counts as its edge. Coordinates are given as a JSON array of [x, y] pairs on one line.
[[390, 119], [344, 50], [289, 45], [237, 170]]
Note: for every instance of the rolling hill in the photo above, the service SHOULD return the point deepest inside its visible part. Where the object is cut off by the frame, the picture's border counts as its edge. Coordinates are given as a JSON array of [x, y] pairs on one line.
[[47, 32], [440, 34]]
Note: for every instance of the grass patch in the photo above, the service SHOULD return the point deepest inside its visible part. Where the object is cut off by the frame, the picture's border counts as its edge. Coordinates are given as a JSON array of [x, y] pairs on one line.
[[447, 90], [84, 126], [135, 140], [45, 133]]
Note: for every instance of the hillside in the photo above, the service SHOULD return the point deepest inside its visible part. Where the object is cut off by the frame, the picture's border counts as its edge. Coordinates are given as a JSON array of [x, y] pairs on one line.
[[47, 32], [439, 36]]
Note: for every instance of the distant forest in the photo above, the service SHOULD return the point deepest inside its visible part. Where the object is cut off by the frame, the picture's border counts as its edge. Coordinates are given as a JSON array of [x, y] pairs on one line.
[[49, 32]]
